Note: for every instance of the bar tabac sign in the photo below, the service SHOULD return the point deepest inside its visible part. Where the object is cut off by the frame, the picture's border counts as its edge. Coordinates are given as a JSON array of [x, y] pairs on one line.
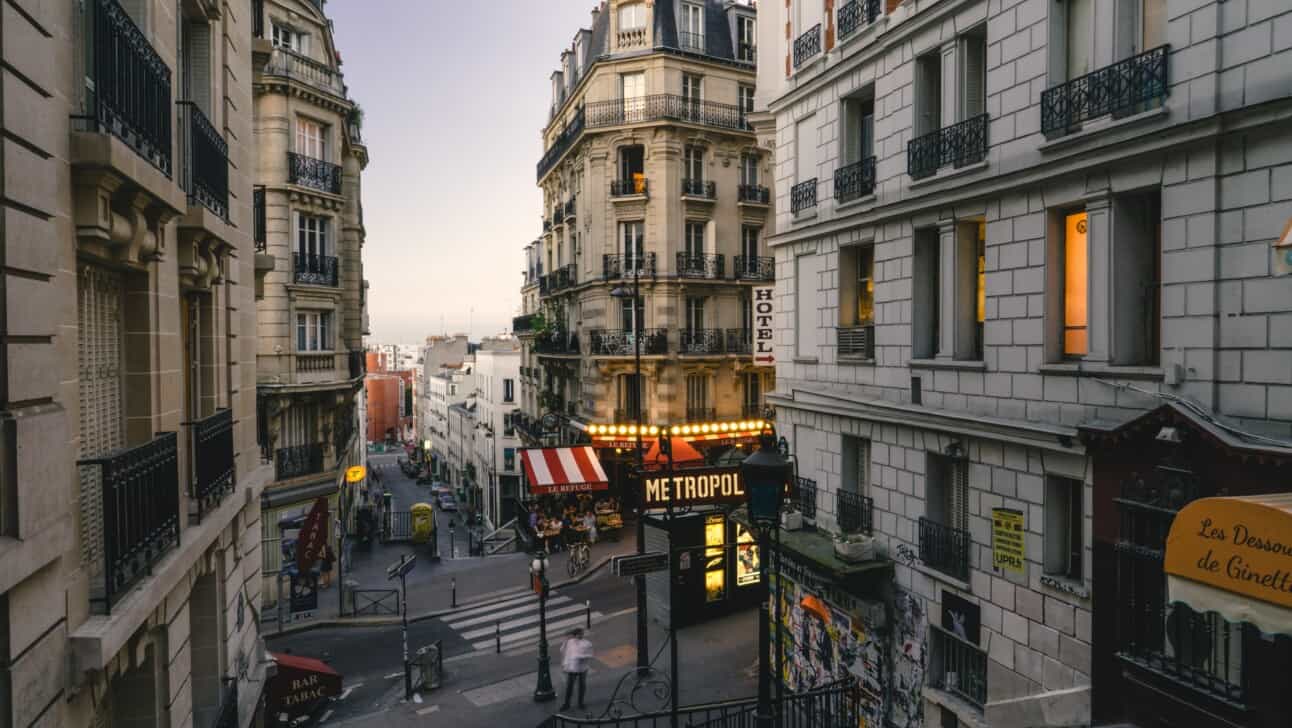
[[696, 487], [1239, 545]]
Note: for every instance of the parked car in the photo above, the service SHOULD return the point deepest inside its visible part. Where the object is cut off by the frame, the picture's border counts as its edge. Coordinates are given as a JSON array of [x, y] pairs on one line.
[[447, 503]]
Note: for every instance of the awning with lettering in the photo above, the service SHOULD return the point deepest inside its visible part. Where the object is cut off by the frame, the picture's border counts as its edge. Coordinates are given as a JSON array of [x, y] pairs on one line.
[[299, 685], [1233, 556], [563, 470]]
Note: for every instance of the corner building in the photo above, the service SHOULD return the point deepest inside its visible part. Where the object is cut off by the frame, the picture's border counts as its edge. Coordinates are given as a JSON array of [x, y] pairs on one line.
[[1030, 305], [652, 183]]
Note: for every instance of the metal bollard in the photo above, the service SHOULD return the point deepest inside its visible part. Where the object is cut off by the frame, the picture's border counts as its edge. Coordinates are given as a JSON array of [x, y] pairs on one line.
[[588, 604], [497, 635], [454, 584]]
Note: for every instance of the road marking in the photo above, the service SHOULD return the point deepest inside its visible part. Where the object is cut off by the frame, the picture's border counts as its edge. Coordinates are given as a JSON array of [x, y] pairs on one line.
[[326, 715], [532, 631], [428, 710], [346, 693], [394, 675], [469, 615], [527, 619]]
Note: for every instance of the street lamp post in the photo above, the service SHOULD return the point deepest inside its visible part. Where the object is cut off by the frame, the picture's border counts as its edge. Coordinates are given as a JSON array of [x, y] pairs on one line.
[[765, 474], [543, 692], [643, 656]]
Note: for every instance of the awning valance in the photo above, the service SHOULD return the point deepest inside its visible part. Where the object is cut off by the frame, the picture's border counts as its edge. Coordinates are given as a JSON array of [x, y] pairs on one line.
[[1233, 556], [563, 470], [299, 685]]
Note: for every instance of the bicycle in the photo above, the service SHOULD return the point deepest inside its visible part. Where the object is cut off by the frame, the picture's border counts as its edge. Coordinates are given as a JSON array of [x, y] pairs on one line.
[[580, 555]]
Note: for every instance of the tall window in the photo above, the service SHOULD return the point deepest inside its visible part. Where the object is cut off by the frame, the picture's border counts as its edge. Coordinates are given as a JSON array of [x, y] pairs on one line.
[[626, 319], [925, 293], [856, 465], [311, 235], [749, 235], [1064, 526], [314, 331], [746, 38], [508, 390], [753, 394], [1076, 290], [857, 285], [947, 501], [1079, 37], [195, 71], [859, 128], [973, 74], [629, 395], [749, 169], [632, 165], [928, 93], [694, 313], [284, 37], [632, 89], [693, 162], [805, 148], [692, 35], [745, 99], [311, 138], [697, 394], [632, 16], [694, 240], [633, 234]]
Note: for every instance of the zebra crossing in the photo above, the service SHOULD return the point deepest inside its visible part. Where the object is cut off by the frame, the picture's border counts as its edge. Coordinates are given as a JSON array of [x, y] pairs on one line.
[[514, 621]]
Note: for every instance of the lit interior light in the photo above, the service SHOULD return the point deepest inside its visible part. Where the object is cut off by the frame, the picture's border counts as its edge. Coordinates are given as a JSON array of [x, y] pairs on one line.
[[654, 430], [673, 430], [632, 429]]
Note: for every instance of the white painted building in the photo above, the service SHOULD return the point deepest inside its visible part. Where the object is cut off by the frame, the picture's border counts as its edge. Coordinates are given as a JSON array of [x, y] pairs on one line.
[[438, 352], [1008, 234], [497, 382], [451, 386]]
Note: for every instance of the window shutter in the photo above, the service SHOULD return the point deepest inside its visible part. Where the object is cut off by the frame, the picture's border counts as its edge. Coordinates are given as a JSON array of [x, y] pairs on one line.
[[100, 301], [710, 236], [974, 66], [198, 61], [805, 149], [959, 512]]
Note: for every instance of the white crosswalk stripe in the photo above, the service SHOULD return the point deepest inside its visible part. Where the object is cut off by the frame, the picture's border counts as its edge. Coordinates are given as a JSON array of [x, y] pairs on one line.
[[515, 620]]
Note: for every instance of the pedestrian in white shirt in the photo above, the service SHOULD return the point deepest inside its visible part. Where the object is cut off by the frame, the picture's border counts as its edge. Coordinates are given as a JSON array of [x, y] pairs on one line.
[[575, 654]]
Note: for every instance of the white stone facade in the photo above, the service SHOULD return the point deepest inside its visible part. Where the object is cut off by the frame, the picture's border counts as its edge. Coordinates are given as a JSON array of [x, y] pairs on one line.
[[497, 390], [1212, 157]]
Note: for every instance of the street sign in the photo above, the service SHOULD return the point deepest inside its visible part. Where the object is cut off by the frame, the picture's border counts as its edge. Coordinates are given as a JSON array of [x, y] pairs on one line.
[[401, 568], [639, 564]]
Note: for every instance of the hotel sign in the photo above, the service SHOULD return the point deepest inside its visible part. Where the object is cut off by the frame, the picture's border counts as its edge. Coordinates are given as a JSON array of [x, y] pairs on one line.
[[1239, 545], [764, 334], [696, 487]]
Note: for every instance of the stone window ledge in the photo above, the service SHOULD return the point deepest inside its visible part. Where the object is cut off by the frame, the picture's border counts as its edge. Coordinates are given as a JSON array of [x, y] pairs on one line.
[[933, 573], [966, 713], [1097, 369], [977, 365], [804, 215], [1101, 126], [1064, 585], [946, 174], [856, 361], [806, 360], [862, 201]]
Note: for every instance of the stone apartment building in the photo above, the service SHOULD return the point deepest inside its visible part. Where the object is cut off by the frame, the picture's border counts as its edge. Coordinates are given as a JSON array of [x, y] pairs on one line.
[[437, 352], [310, 234], [129, 522], [653, 187], [1028, 308], [497, 390]]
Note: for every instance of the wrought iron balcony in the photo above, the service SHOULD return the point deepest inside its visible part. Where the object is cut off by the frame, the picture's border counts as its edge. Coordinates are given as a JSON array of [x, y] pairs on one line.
[[558, 215], [298, 460], [958, 667], [753, 410], [700, 341], [856, 15], [313, 173], [755, 268], [212, 443], [854, 181], [1127, 86], [944, 548], [556, 341], [130, 96], [756, 194], [693, 42], [260, 223], [289, 64], [205, 161], [628, 187], [567, 276], [134, 507], [523, 324], [622, 342], [855, 512], [740, 341], [562, 143], [706, 189], [569, 208], [957, 145], [627, 414], [807, 45], [628, 266], [805, 497], [358, 362], [709, 266], [315, 270], [547, 224], [803, 196], [856, 341], [701, 414]]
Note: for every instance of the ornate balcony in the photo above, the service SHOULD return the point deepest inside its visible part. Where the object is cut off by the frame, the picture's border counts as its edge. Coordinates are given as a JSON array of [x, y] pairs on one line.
[[1134, 84], [700, 341], [315, 270], [755, 268], [957, 145], [134, 508], [313, 173], [629, 188], [524, 324], [710, 266], [854, 512], [752, 194], [944, 548], [747, 52], [212, 443], [131, 93], [630, 38], [567, 276], [854, 181], [314, 363], [558, 215], [289, 64], [805, 497], [856, 341], [740, 341], [298, 460], [856, 15], [557, 342], [705, 189], [569, 208], [803, 196], [204, 174], [628, 266], [807, 45], [622, 342]]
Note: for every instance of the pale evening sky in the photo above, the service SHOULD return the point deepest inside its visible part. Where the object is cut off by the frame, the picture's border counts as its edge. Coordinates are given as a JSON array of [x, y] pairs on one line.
[[454, 96]]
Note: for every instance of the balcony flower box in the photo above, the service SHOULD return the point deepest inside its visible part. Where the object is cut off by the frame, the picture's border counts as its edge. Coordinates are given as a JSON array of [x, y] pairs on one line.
[[854, 548]]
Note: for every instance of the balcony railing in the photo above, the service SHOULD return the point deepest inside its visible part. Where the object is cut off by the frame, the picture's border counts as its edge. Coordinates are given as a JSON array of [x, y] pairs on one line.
[[803, 196], [260, 223], [740, 341], [707, 265], [139, 509], [958, 145], [807, 45], [700, 341], [755, 268], [944, 548], [313, 173], [856, 15], [569, 208], [856, 341], [558, 215], [621, 342], [311, 363], [315, 270], [567, 276], [205, 159], [522, 324], [626, 414], [855, 512], [556, 341], [747, 52], [628, 187], [358, 362], [547, 224], [212, 439], [628, 266], [692, 187], [130, 96], [958, 667], [283, 62], [805, 497], [298, 460], [693, 42], [701, 414], [854, 181], [753, 410], [632, 38], [1134, 84], [756, 194]]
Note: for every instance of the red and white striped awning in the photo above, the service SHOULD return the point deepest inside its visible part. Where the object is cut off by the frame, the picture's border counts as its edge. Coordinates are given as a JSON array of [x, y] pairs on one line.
[[563, 470]]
